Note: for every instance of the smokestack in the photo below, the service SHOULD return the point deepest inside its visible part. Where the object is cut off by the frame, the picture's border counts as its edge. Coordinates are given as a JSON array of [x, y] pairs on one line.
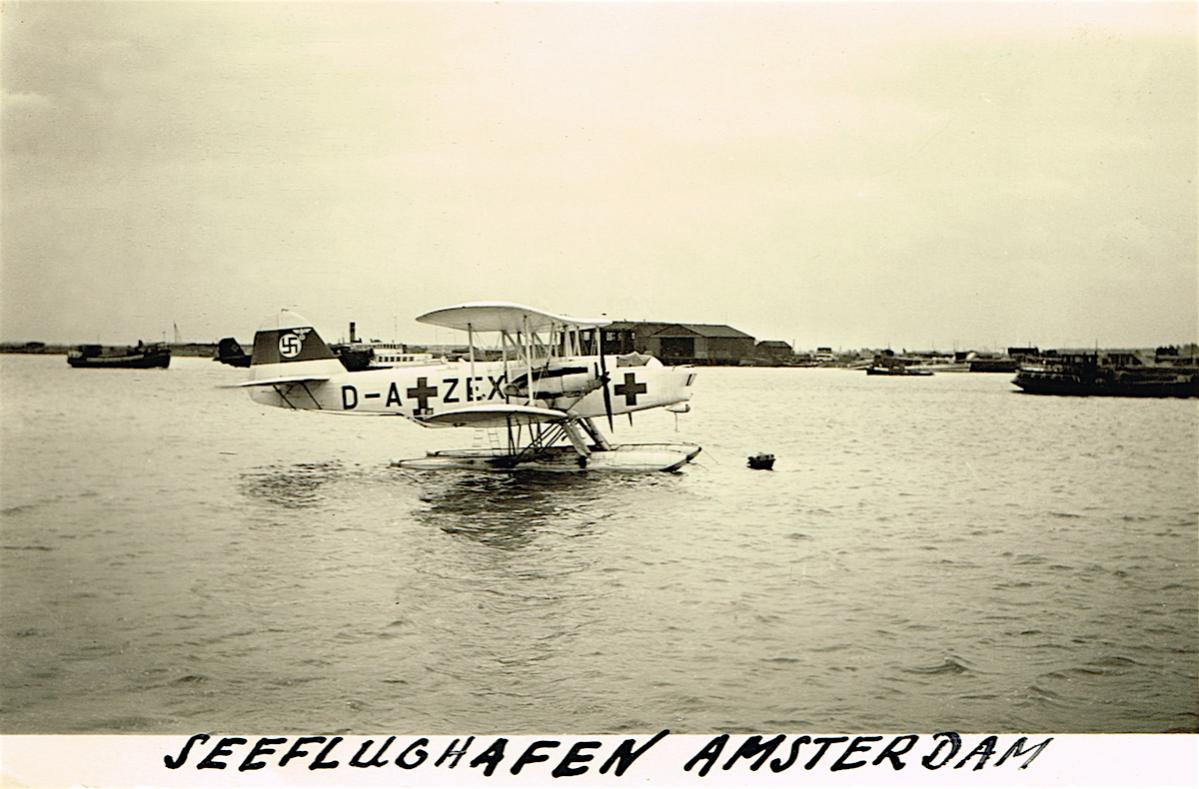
[[352, 337]]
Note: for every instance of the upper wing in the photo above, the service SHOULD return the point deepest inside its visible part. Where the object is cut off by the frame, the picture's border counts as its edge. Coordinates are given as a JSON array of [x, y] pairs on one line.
[[492, 416], [502, 316]]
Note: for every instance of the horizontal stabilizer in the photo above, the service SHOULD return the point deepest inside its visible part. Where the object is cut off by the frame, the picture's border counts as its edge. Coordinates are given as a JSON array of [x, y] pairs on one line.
[[283, 379], [492, 416]]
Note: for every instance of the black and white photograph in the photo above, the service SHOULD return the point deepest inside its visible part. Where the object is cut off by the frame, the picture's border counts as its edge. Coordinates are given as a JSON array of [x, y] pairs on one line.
[[596, 370]]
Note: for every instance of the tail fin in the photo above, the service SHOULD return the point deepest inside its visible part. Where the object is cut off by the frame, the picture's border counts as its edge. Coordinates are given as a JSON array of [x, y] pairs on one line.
[[287, 344]]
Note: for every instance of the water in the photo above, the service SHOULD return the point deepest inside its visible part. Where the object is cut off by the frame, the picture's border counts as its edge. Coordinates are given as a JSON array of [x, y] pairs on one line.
[[928, 554]]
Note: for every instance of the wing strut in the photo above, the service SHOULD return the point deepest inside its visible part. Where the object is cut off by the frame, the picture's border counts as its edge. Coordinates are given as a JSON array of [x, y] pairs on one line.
[[599, 334], [528, 358], [279, 390]]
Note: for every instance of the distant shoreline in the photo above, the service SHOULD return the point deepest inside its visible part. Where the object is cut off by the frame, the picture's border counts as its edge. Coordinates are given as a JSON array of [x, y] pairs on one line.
[[199, 349], [208, 350]]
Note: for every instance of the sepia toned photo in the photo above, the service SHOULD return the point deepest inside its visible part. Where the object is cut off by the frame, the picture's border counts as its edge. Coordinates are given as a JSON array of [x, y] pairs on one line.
[[748, 368]]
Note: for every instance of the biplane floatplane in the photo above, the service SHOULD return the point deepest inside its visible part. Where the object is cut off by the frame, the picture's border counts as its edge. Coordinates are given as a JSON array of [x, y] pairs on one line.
[[540, 399]]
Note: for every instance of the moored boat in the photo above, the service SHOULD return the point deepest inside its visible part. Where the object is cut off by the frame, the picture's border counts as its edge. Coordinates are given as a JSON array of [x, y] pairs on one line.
[[878, 369], [140, 356], [1111, 375], [230, 352], [887, 363], [992, 363]]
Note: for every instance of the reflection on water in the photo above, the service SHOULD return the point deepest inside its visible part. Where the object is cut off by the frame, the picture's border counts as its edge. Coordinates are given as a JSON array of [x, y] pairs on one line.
[[297, 486], [508, 510]]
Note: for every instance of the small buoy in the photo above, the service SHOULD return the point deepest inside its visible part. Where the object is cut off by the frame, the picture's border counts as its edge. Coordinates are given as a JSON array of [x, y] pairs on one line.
[[762, 460]]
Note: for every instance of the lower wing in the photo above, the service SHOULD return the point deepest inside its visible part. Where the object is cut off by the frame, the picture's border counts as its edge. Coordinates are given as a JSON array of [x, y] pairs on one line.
[[492, 416]]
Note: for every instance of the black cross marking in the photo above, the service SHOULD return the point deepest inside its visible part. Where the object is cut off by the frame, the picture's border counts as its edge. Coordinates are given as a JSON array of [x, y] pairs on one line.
[[422, 392], [630, 389]]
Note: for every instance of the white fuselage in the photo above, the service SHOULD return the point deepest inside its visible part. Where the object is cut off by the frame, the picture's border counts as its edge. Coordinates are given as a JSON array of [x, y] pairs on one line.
[[416, 391]]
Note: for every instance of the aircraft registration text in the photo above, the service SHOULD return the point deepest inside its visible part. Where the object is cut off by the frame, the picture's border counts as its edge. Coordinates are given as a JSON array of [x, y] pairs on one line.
[[477, 389]]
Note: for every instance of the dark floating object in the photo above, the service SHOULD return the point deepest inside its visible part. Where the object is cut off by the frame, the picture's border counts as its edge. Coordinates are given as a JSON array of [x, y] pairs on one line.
[[762, 460], [1110, 373], [141, 356], [230, 352]]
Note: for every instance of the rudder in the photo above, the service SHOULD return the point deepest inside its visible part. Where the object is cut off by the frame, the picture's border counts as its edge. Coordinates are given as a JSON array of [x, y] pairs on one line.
[[286, 339], [288, 347]]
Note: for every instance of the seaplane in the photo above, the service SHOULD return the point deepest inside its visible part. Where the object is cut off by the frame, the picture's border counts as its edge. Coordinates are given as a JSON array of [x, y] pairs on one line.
[[539, 400]]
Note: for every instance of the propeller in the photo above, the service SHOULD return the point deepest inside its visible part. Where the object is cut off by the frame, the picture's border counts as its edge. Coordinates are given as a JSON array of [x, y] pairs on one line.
[[599, 335]]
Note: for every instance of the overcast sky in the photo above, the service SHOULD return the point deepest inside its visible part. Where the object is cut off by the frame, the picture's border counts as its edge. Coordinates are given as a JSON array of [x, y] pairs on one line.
[[909, 174]]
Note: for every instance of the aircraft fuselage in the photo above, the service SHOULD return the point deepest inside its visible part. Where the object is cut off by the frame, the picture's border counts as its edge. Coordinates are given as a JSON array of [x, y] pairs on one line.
[[421, 391]]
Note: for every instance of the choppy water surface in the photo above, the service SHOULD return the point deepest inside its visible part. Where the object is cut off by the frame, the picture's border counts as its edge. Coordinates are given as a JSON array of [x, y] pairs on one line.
[[928, 554]]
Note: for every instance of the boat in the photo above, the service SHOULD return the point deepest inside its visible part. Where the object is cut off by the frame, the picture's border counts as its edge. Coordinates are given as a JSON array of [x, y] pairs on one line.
[[362, 354], [991, 363], [763, 461], [896, 369], [230, 352], [887, 363], [353, 357], [397, 354], [140, 356], [939, 364], [1106, 374]]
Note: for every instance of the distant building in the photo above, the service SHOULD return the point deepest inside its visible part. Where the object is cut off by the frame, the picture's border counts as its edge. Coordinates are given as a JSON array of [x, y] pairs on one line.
[[824, 355], [701, 343], [626, 336], [453, 353], [675, 343], [774, 352]]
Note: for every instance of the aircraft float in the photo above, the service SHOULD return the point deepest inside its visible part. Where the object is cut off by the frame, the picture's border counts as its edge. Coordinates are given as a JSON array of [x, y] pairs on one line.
[[550, 384]]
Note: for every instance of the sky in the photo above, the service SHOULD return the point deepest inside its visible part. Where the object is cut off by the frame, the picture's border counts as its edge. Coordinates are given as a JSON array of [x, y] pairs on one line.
[[912, 175]]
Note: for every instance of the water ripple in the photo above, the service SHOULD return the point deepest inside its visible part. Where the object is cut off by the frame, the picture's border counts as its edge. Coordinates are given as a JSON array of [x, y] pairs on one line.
[[1030, 564]]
